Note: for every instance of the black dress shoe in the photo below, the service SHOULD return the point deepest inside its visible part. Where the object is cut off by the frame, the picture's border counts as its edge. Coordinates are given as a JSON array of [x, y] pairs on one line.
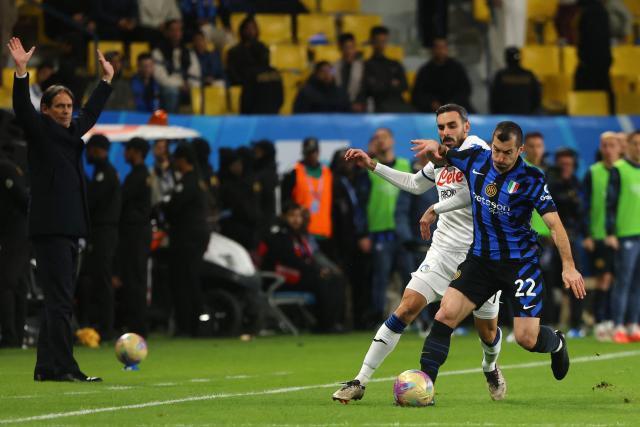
[[42, 375], [77, 377]]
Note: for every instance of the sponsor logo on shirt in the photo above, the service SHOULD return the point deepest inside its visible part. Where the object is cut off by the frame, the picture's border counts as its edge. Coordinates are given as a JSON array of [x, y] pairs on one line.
[[449, 177]]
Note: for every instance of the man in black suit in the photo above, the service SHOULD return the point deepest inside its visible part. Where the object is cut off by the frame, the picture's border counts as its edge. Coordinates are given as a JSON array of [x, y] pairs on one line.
[[59, 212]]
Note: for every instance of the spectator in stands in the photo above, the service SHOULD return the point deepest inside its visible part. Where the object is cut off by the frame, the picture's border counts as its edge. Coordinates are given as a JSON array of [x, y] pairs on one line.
[[71, 36], [162, 181], [566, 189], [509, 28], [144, 87], [442, 80], [240, 200], [349, 70], [321, 94], [514, 89], [266, 173], [289, 253], [154, 14], [248, 66], [594, 48], [384, 78], [432, 21], [122, 96], [352, 242], [623, 235], [43, 74], [210, 62], [565, 21], [117, 19], [200, 15], [210, 180], [594, 231], [177, 68], [310, 185], [8, 18], [620, 19]]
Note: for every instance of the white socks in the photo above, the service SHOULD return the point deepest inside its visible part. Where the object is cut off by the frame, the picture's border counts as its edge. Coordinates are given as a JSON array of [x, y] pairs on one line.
[[491, 353], [383, 343]]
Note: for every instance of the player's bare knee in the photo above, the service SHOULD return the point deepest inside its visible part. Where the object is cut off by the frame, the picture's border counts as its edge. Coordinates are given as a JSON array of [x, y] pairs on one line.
[[526, 339]]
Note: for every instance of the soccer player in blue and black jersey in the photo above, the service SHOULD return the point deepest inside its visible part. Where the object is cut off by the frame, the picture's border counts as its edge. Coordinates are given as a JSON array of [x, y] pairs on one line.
[[504, 253]]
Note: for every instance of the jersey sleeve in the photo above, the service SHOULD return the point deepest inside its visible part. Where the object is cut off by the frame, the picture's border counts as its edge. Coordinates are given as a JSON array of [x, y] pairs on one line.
[[543, 202], [460, 200], [463, 159], [416, 183]]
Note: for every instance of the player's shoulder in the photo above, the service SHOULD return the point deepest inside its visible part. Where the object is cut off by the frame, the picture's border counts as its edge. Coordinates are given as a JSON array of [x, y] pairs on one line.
[[473, 142], [533, 172]]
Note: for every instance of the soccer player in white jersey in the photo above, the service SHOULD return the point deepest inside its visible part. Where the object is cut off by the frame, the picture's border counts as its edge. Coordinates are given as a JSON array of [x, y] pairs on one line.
[[450, 244]]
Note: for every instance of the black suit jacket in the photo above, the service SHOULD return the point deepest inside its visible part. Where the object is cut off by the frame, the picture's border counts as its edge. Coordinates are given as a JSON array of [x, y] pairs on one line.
[[58, 204]]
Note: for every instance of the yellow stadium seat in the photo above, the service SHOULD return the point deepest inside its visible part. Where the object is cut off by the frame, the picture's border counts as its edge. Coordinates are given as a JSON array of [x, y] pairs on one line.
[[291, 84], [135, 49], [210, 100], [627, 103], [325, 52], [311, 5], [5, 98], [588, 103], [541, 10], [569, 60], [288, 57], [7, 78], [273, 28], [555, 90], [104, 46], [360, 25], [541, 60], [634, 7], [312, 24], [392, 51], [626, 60], [481, 12], [340, 6], [235, 92]]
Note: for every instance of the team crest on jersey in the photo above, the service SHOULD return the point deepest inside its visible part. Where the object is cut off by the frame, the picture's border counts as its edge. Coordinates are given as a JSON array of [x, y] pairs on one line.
[[491, 190], [424, 268], [513, 187], [457, 275]]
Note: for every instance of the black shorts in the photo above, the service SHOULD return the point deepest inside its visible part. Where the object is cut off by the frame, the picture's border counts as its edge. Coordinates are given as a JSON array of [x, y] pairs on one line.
[[602, 258], [479, 278]]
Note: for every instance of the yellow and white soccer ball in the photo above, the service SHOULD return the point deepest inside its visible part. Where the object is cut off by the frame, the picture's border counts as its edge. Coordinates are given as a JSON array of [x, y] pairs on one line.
[[413, 388], [131, 349]]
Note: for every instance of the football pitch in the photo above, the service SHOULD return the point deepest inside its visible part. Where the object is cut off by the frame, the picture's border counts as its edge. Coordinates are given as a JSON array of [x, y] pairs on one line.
[[286, 381]]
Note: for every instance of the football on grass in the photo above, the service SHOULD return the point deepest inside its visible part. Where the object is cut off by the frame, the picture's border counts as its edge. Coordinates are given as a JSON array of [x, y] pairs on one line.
[[131, 349], [413, 388]]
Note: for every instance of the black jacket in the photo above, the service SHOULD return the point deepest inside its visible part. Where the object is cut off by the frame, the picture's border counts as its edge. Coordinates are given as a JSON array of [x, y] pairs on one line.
[[186, 212], [136, 197], [444, 83], [14, 200], [515, 91], [58, 188], [316, 97], [104, 195], [384, 80]]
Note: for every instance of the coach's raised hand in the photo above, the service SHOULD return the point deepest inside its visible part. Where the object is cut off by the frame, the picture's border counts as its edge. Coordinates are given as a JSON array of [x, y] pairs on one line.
[[107, 68], [361, 158], [20, 56]]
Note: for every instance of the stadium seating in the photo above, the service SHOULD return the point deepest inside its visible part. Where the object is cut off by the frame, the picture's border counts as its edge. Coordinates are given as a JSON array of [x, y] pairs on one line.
[[626, 60], [135, 49], [291, 83], [627, 103], [210, 100], [311, 5], [7, 78], [310, 25], [481, 12], [234, 93], [360, 25], [288, 57], [541, 10], [274, 28], [588, 103], [541, 60], [325, 52], [104, 46], [340, 6], [392, 52]]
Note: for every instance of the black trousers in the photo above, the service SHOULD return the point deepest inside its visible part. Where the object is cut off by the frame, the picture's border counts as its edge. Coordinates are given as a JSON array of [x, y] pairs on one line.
[[135, 243], [14, 262], [184, 272], [56, 258]]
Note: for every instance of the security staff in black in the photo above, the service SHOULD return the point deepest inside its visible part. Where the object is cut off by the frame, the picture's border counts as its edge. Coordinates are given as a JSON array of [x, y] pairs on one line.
[[14, 252], [186, 212], [105, 202], [58, 211], [135, 237]]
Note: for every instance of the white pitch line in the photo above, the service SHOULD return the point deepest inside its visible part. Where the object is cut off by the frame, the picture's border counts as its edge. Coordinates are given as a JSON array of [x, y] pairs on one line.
[[55, 415]]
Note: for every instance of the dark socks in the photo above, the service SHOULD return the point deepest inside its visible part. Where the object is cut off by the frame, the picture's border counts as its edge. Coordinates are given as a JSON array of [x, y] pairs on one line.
[[547, 342], [435, 349], [601, 305]]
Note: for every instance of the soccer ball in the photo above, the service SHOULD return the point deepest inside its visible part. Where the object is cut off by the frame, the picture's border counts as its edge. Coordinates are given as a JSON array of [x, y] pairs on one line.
[[131, 349], [413, 388]]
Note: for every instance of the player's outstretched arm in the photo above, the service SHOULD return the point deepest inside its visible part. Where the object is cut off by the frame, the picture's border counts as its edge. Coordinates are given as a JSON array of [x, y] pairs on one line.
[[416, 183], [430, 149], [570, 276]]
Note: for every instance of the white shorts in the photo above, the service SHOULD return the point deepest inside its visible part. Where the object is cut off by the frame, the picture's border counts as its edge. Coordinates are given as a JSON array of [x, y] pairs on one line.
[[435, 273]]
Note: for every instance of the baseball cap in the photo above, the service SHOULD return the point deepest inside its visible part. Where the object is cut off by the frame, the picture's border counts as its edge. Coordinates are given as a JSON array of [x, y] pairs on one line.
[[310, 145]]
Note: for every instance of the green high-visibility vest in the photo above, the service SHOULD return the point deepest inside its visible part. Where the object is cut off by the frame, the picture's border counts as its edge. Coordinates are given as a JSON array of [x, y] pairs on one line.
[[598, 211], [537, 223], [381, 208], [628, 212]]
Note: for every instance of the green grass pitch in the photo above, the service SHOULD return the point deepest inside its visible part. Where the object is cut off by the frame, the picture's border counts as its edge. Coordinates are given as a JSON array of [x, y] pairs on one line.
[[289, 381]]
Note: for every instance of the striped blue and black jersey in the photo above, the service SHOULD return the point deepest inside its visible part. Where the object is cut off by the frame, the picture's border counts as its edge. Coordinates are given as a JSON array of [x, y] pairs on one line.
[[502, 204]]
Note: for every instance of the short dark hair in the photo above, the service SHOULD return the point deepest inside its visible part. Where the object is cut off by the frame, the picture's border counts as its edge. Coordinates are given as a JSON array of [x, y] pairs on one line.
[[506, 130], [566, 152], [170, 22], [377, 30], [386, 129], [144, 56], [53, 91], [446, 108], [345, 37], [319, 65], [534, 134], [290, 206]]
